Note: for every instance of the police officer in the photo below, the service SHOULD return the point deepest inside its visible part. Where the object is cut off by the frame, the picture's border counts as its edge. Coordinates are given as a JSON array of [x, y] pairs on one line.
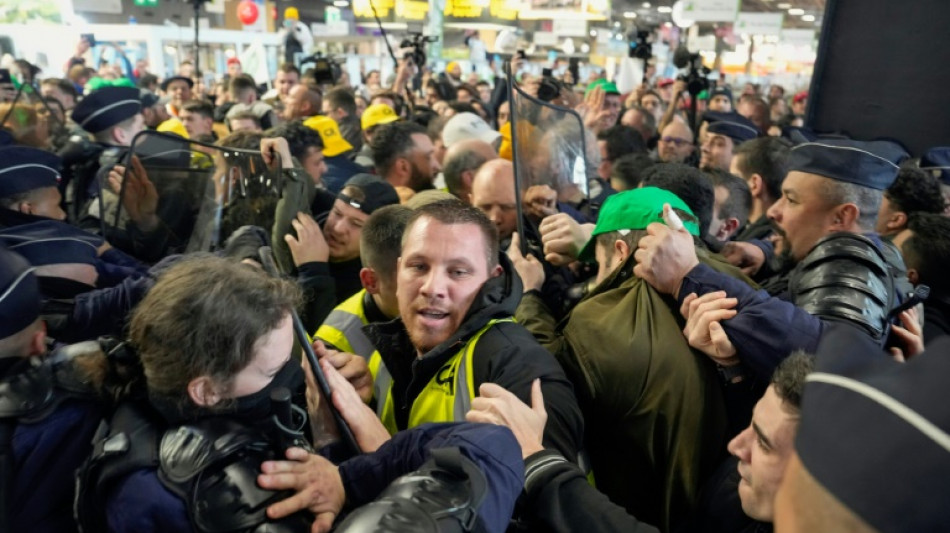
[[113, 116], [30, 210], [47, 413], [843, 272]]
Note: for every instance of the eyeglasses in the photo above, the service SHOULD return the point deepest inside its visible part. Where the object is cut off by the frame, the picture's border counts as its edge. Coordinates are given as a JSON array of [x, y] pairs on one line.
[[675, 140]]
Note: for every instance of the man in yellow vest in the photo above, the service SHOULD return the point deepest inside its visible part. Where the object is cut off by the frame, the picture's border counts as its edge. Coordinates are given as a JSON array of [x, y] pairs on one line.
[[456, 296]]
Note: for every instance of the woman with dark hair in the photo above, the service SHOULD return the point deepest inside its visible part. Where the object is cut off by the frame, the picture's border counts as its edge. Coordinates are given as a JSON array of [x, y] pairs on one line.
[[200, 443]]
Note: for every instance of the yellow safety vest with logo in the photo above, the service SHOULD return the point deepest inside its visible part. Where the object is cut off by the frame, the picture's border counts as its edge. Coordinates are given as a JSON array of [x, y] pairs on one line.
[[447, 396], [343, 327]]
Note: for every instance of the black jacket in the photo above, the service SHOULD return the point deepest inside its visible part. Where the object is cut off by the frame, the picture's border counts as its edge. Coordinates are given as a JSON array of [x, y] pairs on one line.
[[506, 355]]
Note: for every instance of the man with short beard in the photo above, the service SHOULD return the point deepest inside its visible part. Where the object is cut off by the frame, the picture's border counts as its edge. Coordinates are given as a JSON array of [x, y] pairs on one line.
[[405, 156], [456, 296], [841, 271]]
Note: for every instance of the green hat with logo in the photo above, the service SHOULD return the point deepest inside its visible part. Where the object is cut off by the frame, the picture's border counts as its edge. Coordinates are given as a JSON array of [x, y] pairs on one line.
[[609, 87], [635, 210]]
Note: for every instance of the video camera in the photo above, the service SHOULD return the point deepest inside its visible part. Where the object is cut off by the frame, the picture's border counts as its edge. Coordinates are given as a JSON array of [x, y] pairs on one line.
[[417, 42], [550, 87], [325, 69], [641, 48], [696, 79]]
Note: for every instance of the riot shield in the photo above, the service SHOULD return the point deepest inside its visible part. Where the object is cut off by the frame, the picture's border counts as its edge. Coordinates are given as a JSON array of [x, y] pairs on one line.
[[550, 147], [177, 195]]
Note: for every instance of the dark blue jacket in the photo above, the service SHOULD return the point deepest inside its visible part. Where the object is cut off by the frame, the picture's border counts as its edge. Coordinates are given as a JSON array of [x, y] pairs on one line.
[[141, 504], [46, 456]]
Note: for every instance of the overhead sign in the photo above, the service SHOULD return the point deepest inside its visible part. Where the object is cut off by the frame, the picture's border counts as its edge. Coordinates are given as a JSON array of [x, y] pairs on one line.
[[569, 27], [363, 9], [390, 10], [759, 23], [711, 10], [98, 6], [482, 11], [797, 37]]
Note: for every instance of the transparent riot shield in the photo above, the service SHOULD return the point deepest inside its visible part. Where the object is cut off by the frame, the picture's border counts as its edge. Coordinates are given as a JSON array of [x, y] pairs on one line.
[[549, 145], [177, 195]]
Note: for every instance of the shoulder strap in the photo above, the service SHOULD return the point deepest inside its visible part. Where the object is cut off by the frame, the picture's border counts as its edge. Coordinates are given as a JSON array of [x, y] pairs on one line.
[[123, 444]]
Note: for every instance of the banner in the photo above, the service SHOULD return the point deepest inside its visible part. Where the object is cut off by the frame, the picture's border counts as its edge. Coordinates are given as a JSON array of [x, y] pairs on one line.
[[759, 23], [482, 11], [711, 10]]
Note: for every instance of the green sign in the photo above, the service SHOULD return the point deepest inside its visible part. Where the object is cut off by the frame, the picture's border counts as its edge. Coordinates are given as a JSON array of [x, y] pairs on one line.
[[146, 3]]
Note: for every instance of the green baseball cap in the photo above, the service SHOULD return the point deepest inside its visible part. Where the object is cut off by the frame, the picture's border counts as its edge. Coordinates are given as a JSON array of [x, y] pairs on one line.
[[609, 87], [635, 209]]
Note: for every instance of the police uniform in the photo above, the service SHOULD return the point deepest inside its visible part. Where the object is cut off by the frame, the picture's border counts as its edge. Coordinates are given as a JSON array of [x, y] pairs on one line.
[[732, 125], [22, 170], [97, 112], [876, 434], [850, 279], [48, 415]]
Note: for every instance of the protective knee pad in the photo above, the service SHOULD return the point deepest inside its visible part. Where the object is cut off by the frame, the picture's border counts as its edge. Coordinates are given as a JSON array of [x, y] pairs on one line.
[[441, 497]]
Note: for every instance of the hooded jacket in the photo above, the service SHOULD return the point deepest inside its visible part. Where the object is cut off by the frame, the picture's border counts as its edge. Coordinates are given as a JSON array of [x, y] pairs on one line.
[[653, 408], [506, 354]]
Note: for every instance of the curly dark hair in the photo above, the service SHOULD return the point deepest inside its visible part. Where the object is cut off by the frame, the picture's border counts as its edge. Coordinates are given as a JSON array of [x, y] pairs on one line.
[[789, 378], [927, 250], [392, 141], [300, 138], [916, 191]]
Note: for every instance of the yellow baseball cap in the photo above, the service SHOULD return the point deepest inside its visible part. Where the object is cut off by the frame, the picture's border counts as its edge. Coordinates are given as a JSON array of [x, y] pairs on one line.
[[291, 13], [377, 114], [173, 125], [333, 142]]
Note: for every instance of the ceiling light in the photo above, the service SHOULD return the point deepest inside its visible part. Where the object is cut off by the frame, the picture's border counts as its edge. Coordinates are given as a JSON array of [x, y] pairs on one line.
[[784, 5], [646, 5], [341, 3], [617, 24], [796, 11], [808, 18], [629, 14], [665, 9]]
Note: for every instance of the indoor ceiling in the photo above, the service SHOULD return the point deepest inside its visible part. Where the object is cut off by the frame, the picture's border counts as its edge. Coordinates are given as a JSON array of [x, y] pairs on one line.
[[798, 13]]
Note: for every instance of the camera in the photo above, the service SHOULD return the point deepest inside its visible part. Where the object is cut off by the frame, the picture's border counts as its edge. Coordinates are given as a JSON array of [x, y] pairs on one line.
[[696, 78], [326, 71], [550, 87], [641, 49], [417, 42]]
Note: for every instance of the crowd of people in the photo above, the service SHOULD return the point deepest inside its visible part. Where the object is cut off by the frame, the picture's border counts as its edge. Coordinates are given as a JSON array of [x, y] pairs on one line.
[[574, 309]]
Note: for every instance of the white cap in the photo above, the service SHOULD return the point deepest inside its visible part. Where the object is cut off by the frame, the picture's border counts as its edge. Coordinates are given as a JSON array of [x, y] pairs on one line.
[[466, 126]]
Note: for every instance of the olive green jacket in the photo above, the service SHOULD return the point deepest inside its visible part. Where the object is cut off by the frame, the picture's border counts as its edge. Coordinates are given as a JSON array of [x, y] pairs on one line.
[[654, 414]]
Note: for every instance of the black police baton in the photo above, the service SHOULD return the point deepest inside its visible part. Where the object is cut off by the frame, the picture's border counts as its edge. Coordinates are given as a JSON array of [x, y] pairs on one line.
[[270, 266]]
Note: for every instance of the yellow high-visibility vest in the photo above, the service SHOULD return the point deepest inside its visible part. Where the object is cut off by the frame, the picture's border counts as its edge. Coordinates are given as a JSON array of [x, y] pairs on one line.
[[447, 396]]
